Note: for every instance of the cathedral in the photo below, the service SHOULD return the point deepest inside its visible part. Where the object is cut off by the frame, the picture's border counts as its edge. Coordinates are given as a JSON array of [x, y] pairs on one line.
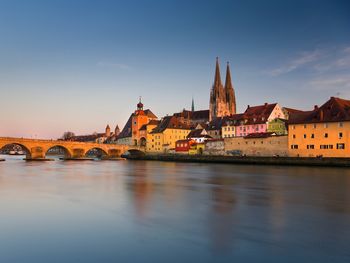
[[222, 99]]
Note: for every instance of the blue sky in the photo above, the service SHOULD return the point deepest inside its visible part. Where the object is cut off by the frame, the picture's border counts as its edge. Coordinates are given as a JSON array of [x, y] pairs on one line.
[[78, 65]]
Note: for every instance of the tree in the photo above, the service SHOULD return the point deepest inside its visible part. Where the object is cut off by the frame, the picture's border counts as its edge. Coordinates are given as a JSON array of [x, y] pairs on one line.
[[68, 135]]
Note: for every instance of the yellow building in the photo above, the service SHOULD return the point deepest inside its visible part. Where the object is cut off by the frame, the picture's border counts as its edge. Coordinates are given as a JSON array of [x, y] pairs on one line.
[[196, 149], [145, 133], [170, 129], [325, 131]]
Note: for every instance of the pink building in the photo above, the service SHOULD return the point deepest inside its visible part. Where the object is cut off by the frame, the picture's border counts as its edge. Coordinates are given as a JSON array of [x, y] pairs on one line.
[[255, 119]]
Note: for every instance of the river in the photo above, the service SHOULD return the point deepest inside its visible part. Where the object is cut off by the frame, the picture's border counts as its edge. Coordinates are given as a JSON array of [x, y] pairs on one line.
[[145, 211]]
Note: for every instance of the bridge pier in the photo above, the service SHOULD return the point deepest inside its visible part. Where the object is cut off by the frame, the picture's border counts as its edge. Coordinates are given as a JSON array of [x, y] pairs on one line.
[[37, 154]]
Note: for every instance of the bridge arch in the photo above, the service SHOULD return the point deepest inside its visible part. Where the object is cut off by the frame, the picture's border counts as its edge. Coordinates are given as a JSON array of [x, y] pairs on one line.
[[25, 148], [66, 151], [99, 152]]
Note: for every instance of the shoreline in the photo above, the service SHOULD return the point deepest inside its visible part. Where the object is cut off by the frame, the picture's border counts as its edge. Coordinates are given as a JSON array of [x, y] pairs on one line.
[[254, 160]]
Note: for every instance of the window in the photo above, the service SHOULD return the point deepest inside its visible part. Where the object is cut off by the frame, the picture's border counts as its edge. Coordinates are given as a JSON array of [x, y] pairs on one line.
[[340, 135], [294, 146], [314, 126], [304, 126], [293, 136], [340, 124], [340, 146], [304, 136], [326, 135], [312, 136], [310, 146], [293, 127]]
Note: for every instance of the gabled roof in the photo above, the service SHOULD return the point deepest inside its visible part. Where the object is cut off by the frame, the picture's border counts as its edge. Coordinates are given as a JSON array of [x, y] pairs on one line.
[[216, 123], [151, 122], [258, 114], [150, 114], [193, 115], [265, 109], [126, 132], [291, 110], [233, 119], [334, 110], [170, 122], [198, 133]]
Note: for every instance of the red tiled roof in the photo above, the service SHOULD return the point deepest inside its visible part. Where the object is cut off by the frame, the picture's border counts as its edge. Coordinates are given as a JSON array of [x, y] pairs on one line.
[[170, 122], [233, 119], [258, 114], [150, 114], [334, 110], [194, 115]]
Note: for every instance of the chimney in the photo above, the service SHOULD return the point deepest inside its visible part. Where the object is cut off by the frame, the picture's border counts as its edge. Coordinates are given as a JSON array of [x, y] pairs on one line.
[[265, 104], [321, 115], [315, 107], [248, 106]]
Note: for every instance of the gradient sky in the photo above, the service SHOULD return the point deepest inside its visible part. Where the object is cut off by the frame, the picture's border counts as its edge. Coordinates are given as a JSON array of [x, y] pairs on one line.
[[78, 65]]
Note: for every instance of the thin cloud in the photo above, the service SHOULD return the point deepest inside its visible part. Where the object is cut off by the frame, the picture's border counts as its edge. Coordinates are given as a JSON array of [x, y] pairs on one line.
[[113, 65], [339, 60], [296, 63], [340, 84]]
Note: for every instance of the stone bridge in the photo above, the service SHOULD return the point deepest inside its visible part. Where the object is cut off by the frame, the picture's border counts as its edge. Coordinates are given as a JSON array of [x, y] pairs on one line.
[[37, 149]]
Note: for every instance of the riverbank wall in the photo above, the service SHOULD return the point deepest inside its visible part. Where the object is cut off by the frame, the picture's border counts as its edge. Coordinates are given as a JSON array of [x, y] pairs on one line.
[[296, 161]]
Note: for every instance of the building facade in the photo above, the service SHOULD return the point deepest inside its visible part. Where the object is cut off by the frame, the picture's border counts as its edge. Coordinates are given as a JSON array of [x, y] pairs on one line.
[[324, 131], [164, 136], [255, 119]]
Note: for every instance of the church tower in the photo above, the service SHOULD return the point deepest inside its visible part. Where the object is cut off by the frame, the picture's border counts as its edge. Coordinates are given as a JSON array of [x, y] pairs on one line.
[[116, 130], [108, 131], [217, 106], [139, 118], [230, 92]]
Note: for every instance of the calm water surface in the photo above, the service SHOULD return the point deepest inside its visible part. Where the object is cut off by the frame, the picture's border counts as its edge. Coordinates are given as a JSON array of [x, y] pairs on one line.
[[122, 211]]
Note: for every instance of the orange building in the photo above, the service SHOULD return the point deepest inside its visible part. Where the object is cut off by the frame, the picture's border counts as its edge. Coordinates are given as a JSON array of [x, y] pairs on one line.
[[130, 135], [324, 131]]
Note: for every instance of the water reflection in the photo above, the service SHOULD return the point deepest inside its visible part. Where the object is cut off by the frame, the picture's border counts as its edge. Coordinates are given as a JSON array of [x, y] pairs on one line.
[[173, 212]]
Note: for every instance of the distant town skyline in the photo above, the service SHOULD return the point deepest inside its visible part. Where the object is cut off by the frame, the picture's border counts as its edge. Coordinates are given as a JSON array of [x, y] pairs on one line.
[[80, 65]]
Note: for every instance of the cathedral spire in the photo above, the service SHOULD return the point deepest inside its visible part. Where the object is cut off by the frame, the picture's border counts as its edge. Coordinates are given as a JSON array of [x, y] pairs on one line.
[[192, 106], [229, 91], [228, 81], [217, 80]]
